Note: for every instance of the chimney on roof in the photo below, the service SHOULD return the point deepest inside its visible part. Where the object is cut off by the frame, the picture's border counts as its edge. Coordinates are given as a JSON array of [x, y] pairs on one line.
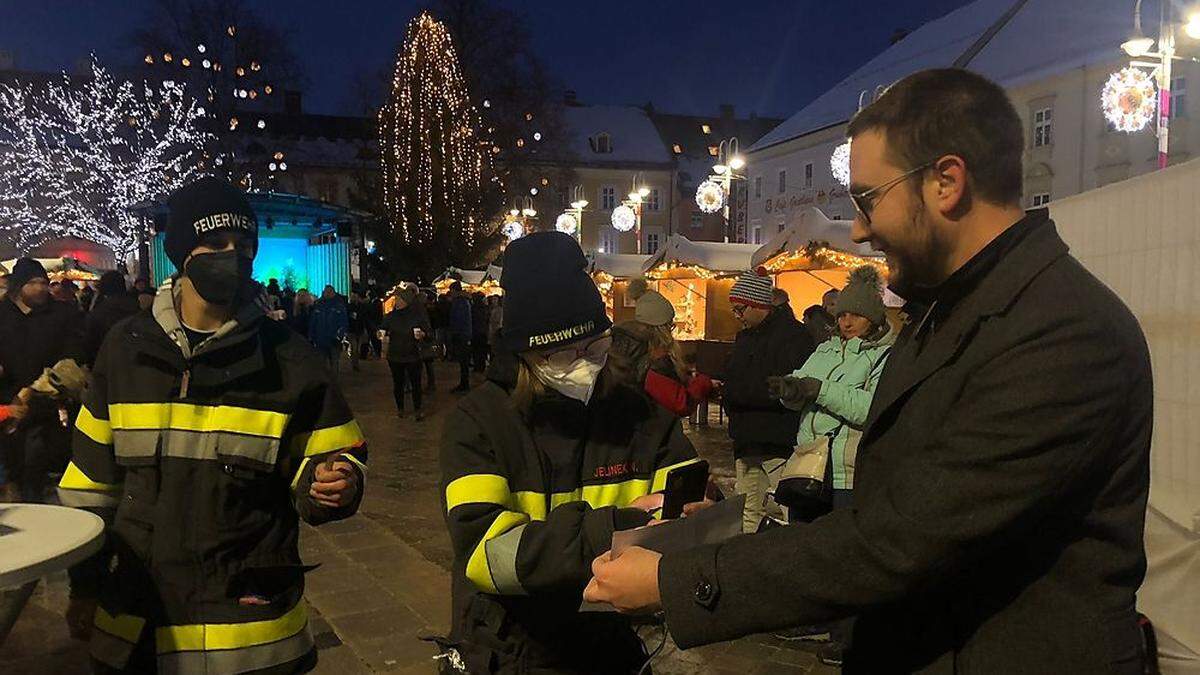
[[293, 102], [570, 97], [898, 35], [8, 60], [726, 111]]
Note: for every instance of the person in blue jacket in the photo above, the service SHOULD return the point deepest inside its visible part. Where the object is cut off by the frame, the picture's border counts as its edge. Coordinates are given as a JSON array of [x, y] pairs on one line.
[[328, 324]]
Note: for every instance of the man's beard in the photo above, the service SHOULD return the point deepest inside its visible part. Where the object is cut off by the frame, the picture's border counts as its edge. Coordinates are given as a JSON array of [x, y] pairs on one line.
[[915, 269]]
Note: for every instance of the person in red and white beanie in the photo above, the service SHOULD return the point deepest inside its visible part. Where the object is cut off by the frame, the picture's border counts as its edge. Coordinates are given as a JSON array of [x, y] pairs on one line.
[[771, 343]]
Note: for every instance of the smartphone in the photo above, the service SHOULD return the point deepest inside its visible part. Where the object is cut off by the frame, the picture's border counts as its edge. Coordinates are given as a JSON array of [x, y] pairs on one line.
[[685, 484]]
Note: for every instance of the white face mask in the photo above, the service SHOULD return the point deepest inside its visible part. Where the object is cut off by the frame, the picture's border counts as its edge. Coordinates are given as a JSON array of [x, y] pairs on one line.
[[577, 381]]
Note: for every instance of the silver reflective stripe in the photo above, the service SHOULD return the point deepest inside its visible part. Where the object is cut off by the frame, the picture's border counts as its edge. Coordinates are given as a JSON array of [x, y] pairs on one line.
[[502, 561], [109, 649], [239, 660], [195, 444], [84, 498], [135, 444]]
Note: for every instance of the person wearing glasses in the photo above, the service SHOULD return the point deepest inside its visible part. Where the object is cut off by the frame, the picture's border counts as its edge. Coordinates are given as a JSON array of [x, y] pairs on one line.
[[771, 344], [1003, 471], [540, 465]]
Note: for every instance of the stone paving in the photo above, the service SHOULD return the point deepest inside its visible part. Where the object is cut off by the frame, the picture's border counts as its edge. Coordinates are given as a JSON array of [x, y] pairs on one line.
[[383, 579]]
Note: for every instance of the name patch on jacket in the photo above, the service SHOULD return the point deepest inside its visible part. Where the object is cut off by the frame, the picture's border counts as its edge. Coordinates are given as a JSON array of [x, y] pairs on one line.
[[562, 335], [217, 221]]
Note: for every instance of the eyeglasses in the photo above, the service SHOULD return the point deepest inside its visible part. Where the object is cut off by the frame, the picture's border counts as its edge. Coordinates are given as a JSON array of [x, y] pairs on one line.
[[592, 351], [864, 202]]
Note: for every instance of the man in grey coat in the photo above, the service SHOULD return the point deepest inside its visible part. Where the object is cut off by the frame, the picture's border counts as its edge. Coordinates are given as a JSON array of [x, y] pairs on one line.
[[1004, 467]]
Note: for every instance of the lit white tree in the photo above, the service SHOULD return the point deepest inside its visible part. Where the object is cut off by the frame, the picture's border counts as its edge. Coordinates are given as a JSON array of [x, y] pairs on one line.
[[77, 154]]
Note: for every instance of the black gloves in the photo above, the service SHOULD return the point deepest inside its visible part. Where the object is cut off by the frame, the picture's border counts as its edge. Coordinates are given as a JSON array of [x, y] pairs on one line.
[[794, 391]]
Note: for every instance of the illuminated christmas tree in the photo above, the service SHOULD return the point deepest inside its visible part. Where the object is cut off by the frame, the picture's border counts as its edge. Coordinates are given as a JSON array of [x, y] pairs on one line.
[[77, 155], [440, 193]]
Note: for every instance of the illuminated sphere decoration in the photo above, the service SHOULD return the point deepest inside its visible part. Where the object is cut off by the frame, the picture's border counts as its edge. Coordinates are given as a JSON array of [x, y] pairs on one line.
[[623, 218], [566, 224], [710, 197], [839, 163], [1129, 99], [514, 230]]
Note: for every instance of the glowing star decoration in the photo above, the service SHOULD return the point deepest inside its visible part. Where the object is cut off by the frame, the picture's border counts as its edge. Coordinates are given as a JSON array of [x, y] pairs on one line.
[[433, 174], [839, 163], [1129, 100], [513, 230], [623, 218], [566, 223], [72, 164], [710, 197]]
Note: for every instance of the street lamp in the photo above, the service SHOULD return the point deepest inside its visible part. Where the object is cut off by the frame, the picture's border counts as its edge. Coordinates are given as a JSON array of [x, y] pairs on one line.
[[715, 193], [628, 216], [571, 220]]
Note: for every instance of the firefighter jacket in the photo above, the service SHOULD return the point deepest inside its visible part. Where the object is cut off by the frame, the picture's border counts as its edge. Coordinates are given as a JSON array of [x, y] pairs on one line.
[[200, 460], [530, 500]]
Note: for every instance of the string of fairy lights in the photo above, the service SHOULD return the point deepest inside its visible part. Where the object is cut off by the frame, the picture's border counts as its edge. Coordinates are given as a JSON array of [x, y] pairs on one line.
[[433, 161], [79, 153]]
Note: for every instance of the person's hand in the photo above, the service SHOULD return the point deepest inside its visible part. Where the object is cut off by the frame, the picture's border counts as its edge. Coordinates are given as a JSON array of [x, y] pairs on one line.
[[335, 483], [81, 616], [696, 507], [629, 582], [794, 390], [648, 503]]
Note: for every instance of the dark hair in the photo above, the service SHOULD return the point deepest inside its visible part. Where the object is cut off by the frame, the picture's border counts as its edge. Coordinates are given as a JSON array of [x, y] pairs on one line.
[[950, 111]]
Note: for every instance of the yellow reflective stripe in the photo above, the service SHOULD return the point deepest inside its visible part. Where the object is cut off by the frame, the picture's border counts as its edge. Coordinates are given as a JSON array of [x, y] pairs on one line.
[[615, 494], [217, 636], [479, 488], [356, 462], [96, 429], [477, 565], [203, 418], [125, 626], [532, 504], [75, 479], [318, 442], [660, 476], [299, 471]]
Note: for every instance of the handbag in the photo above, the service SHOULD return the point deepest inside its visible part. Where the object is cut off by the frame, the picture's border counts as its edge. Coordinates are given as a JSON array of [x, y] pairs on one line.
[[803, 486]]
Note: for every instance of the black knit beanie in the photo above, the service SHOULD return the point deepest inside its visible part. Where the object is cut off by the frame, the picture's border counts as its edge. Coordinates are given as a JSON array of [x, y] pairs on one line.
[[24, 270], [549, 299], [202, 206]]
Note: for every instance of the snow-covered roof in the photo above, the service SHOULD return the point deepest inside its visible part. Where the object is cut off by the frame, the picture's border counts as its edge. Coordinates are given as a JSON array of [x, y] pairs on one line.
[[619, 265], [471, 277], [812, 225], [634, 136], [713, 256], [1041, 38]]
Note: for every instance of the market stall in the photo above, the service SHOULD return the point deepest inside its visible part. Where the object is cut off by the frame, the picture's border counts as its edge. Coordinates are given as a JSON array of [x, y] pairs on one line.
[[59, 269], [812, 256], [695, 276], [473, 281], [612, 272]]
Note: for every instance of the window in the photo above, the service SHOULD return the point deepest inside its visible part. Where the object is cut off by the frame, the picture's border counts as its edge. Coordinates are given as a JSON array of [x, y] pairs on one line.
[[652, 241], [714, 150], [653, 202], [1043, 134], [601, 143], [782, 181], [1041, 199], [608, 198], [757, 238], [697, 221], [780, 226], [758, 187], [1178, 97], [677, 149], [808, 175], [608, 241], [705, 128]]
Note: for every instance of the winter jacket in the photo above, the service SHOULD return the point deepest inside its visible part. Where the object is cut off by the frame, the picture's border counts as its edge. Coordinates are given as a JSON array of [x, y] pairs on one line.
[[357, 315], [530, 501], [403, 346], [328, 323], [200, 460], [1000, 494], [758, 423], [30, 343], [109, 310], [460, 317], [665, 388], [849, 371]]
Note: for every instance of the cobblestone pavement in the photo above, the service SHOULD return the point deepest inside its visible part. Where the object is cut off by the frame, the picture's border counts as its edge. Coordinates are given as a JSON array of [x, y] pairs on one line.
[[383, 579]]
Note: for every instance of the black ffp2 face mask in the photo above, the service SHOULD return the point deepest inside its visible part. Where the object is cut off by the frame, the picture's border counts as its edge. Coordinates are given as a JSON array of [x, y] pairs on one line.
[[218, 277]]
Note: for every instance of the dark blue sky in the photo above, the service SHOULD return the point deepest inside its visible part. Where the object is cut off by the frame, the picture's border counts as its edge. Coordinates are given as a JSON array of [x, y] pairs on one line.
[[768, 56]]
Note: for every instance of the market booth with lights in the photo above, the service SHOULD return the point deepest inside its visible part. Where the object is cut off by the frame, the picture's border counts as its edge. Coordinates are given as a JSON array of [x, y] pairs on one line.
[[612, 272], [696, 276], [812, 256], [302, 242]]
